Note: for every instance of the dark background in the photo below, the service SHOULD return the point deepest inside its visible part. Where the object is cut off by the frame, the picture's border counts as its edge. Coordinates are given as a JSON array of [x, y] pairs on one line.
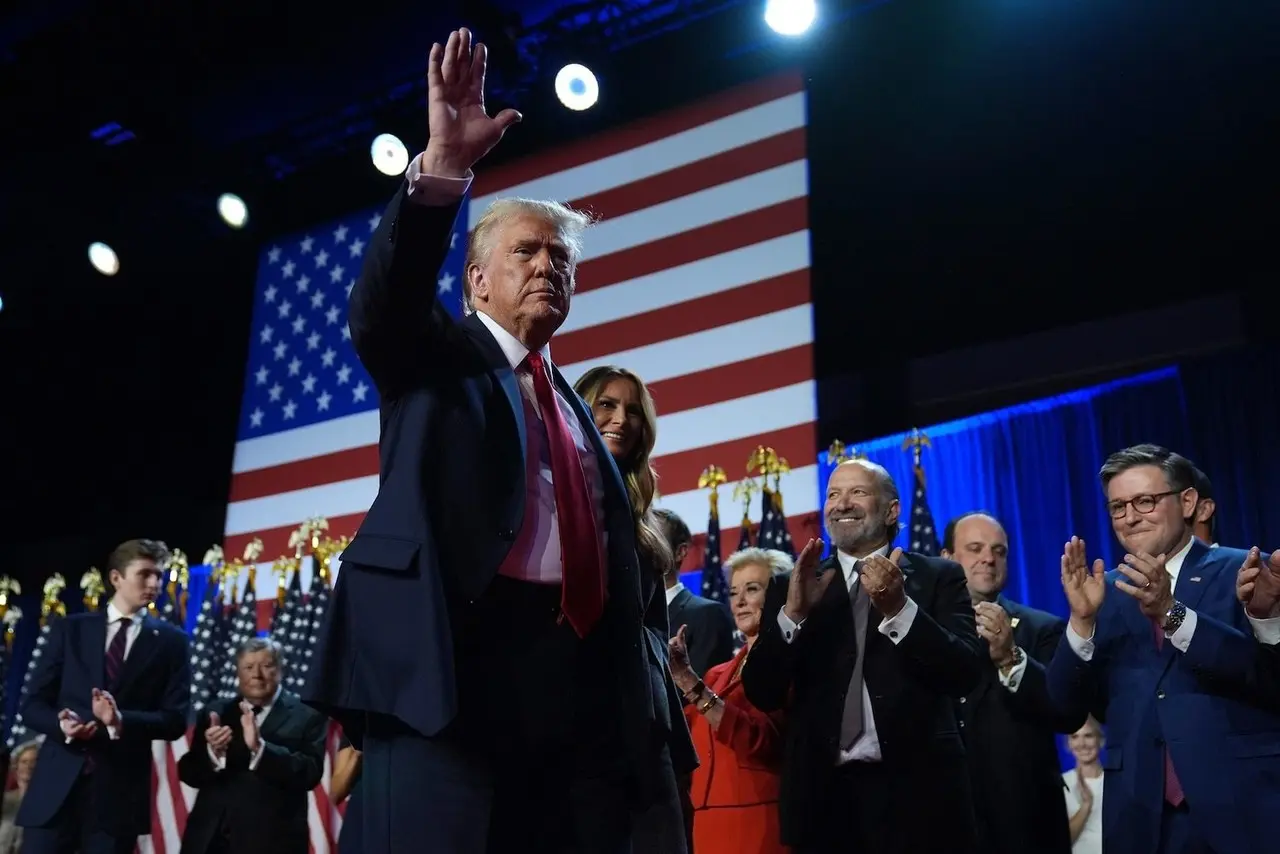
[[1009, 199]]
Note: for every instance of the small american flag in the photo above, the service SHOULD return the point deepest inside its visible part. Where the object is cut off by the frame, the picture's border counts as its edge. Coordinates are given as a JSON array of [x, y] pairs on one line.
[[18, 732], [290, 629], [774, 533], [713, 582], [207, 644], [923, 533], [243, 625]]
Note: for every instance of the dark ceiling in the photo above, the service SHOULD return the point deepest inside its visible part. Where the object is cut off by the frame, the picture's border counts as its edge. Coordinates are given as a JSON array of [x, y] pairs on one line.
[[982, 170]]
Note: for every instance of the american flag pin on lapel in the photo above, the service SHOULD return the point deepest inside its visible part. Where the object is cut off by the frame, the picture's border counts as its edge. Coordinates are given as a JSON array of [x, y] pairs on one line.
[[1014, 622], [1195, 578]]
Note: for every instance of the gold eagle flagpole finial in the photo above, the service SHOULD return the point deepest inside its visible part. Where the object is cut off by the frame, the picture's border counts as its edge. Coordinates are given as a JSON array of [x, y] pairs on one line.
[[8, 587], [713, 477], [52, 602], [12, 616], [91, 584], [916, 442]]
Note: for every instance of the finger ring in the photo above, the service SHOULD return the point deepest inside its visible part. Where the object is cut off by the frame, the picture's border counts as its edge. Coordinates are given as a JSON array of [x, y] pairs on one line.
[[1148, 584], [881, 588]]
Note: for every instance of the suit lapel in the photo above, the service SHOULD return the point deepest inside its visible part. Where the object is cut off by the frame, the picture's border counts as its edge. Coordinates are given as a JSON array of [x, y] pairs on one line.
[[1196, 575], [144, 648], [93, 647], [502, 371], [279, 714]]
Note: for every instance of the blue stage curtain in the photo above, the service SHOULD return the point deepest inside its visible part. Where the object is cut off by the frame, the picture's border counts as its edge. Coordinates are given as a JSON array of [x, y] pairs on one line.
[[1035, 467], [1233, 407]]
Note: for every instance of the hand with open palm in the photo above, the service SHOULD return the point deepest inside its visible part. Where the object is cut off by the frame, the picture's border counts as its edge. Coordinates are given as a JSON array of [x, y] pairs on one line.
[[1085, 590], [462, 131], [806, 587]]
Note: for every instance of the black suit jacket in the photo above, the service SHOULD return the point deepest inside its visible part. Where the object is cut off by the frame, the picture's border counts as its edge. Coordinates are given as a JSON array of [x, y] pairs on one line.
[[153, 695], [449, 506], [708, 629], [1011, 740], [262, 811], [912, 685]]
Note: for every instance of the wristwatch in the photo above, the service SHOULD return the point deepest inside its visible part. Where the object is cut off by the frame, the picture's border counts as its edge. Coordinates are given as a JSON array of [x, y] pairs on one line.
[[1173, 619], [1018, 655]]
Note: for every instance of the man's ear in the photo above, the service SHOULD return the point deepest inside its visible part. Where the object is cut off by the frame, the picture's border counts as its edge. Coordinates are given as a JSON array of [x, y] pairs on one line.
[[477, 284]]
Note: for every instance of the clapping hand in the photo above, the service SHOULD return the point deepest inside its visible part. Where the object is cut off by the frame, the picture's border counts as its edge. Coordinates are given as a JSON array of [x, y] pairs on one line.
[[462, 131], [1085, 590], [249, 724], [217, 735], [1148, 582], [73, 727], [681, 670], [995, 628], [882, 579], [806, 587], [1258, 585], [104, 708]]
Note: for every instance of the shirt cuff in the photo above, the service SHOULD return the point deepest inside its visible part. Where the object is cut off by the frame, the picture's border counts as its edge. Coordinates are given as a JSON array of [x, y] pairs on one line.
[[432, 190], [257, 754], [114, 731], [1266, 631], [1082, 647], [219, 762], [895, 628], [790, 628], [1181, 639], [1014, 677]]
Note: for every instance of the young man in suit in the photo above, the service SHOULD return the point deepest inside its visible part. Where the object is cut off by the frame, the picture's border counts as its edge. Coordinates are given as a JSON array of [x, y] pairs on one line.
[[492, 645], [108, 684], [256, 760], [708, 627], [1162, 653], [867, 651], [1010, 727]]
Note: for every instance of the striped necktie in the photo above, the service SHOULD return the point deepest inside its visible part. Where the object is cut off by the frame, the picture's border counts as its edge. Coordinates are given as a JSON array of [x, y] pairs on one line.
[[115, 653]]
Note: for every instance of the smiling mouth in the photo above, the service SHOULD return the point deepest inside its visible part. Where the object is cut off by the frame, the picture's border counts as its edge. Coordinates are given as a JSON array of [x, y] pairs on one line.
[[846, 519], [617, 437]]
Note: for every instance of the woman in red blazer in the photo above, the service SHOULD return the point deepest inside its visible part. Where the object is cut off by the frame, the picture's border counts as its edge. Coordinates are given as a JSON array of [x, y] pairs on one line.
[[735, 789]]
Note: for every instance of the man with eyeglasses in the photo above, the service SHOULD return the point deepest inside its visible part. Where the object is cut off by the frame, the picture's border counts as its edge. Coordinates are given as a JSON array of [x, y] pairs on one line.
[[1162, 652]]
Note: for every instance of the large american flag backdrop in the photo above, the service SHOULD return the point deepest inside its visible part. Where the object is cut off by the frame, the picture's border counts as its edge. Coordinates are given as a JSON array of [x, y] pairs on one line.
[[696, 278]]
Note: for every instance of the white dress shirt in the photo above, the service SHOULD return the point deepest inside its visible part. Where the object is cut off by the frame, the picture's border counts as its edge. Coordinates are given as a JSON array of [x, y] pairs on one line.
[[673, 591], [220, 762], [895, 628], [134, 628]]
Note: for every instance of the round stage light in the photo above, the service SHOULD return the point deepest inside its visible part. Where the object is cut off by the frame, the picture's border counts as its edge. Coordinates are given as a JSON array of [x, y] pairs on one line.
[[233, 210], [103, 258], [577, 88], [390, 157], [790, 17]]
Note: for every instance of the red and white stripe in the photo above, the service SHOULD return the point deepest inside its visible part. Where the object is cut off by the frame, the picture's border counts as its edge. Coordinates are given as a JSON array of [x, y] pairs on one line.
[[696, 278]]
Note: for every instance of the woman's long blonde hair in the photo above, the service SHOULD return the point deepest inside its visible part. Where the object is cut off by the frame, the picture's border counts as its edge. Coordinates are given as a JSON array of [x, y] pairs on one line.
[[637, 471]]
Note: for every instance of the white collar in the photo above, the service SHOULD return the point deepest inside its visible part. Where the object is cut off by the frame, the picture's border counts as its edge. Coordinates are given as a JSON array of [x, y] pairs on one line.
[[673, 591], [114, 614], [848, 561], [510, 344], [1173, 565]]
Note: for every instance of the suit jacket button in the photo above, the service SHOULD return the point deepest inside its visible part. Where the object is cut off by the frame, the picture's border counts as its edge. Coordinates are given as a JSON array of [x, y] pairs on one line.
[[964, 699], [1159, 695], [507, 534]]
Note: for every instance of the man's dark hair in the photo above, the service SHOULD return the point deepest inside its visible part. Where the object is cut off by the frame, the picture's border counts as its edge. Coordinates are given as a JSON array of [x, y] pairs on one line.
[[131, 550], [1179, 471], [1204, 488], [674, 527], [949, 534]]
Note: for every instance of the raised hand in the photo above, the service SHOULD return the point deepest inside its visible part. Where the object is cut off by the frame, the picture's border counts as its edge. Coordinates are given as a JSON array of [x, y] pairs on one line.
[[1258, 584], [995, 627], [462, 131], [806, 587], [1085, 590], [681, 670]]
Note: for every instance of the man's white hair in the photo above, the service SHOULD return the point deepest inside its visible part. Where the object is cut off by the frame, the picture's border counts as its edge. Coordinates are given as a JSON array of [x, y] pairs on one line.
[[778, 562], [570, 225]]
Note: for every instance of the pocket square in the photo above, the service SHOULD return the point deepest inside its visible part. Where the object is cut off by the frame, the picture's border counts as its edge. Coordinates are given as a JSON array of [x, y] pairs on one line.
[[1014, 622]]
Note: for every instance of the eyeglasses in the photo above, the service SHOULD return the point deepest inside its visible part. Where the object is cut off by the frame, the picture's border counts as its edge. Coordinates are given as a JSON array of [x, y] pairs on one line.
[[1141, 503]]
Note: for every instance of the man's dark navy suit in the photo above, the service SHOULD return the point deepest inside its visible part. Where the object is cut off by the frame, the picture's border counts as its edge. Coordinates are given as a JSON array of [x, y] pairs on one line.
[[1216, 707], [450, 504], [101, 784]]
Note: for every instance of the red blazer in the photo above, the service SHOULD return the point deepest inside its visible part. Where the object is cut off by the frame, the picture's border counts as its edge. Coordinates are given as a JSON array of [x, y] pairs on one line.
[[735, 788]]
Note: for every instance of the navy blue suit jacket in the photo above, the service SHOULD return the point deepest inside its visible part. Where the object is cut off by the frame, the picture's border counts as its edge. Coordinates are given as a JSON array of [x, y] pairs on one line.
[[153, 695], [1216, 707], [449, 506]]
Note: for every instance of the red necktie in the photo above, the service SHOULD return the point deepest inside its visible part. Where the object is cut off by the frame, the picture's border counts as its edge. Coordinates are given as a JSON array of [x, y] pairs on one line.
[[1172, 786], [582, 591], [114, 661]]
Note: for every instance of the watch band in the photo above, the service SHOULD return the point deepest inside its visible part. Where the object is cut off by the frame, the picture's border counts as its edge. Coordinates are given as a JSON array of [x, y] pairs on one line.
[[1173, 619]]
